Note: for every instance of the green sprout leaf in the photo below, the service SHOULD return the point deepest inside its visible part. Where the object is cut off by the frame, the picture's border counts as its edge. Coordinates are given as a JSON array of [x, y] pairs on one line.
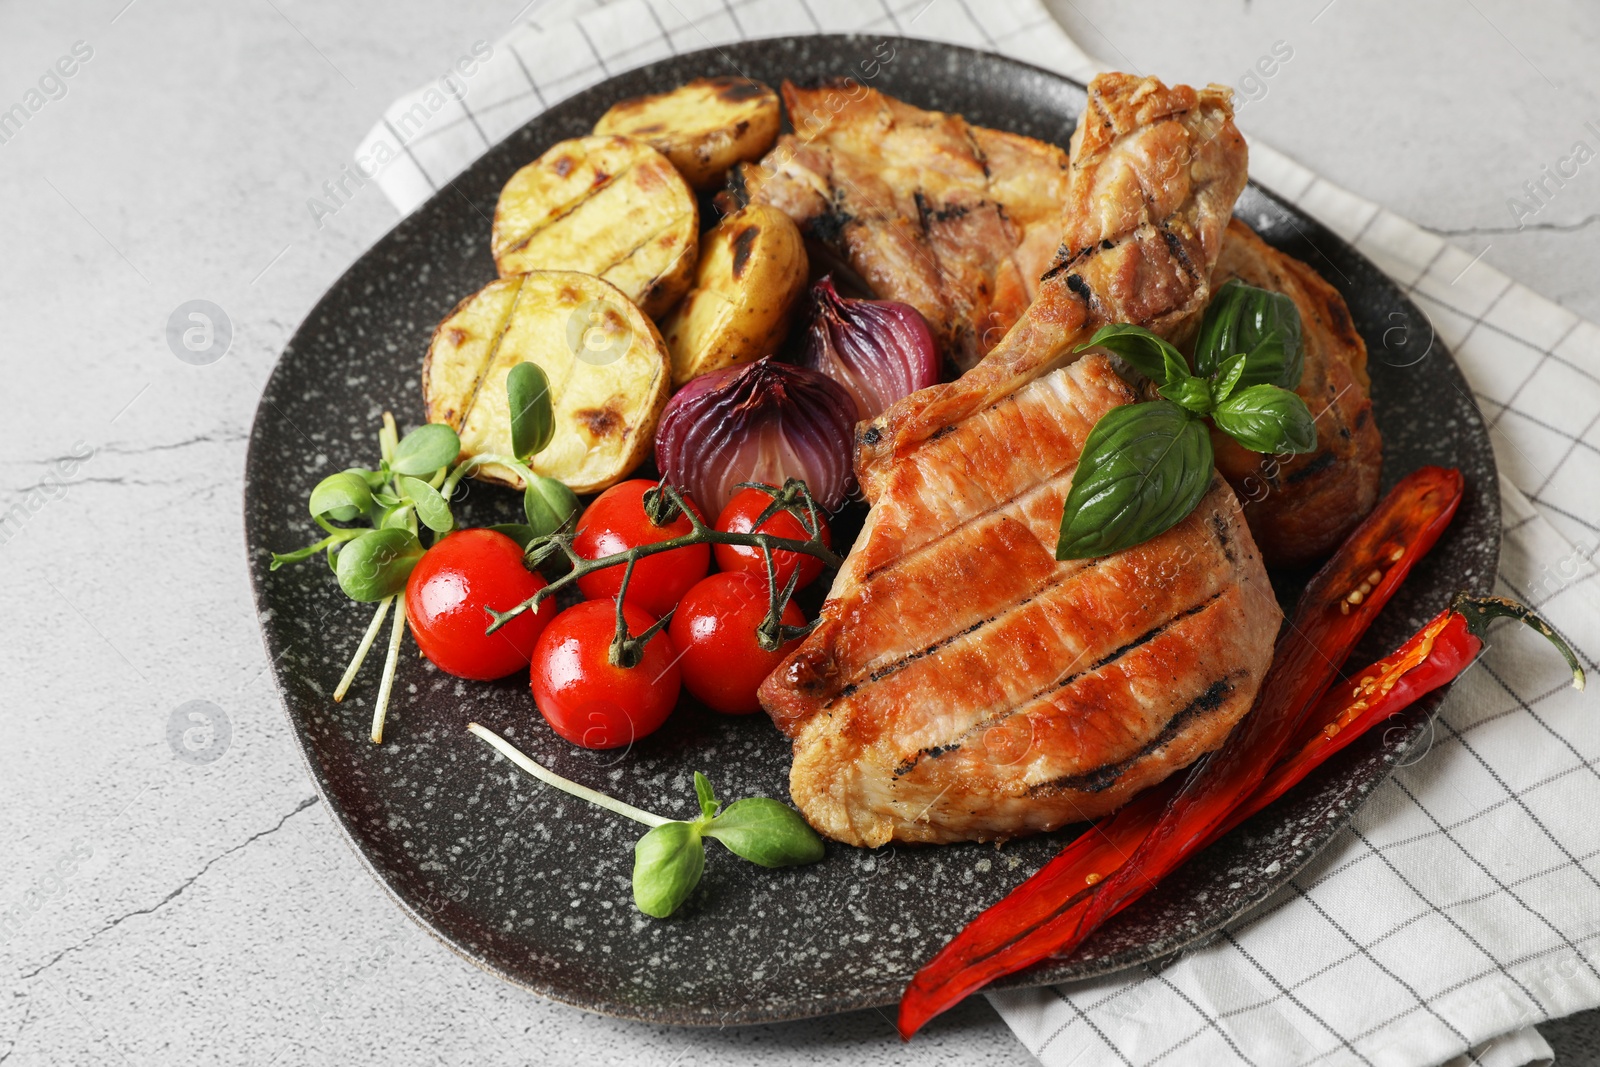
[[1144, 468], [1265, 418], [376, 564], [340, 497], [1263, 325], [767, 832], [708, 800], [667, 864], [426, 449], [533, 420], [431, 507], [521, 533], [1143, 350], [547, 504]]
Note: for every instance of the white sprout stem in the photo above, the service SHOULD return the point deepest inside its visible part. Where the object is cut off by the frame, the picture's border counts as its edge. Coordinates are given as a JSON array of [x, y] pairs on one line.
[[362, 649], [381, 711], [549, 777]]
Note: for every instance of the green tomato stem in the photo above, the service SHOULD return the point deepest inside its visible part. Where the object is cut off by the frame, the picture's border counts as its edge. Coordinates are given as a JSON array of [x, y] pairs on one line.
[[549, 777], [381, 710], [362, 649]]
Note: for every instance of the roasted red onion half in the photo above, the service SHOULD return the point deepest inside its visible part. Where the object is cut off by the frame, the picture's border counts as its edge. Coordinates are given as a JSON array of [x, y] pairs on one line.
[[880, 350], [762, 422]]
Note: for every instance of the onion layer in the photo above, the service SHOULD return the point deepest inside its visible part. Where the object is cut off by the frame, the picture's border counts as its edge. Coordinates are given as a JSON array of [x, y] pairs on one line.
[[763, 422], [880, 350]]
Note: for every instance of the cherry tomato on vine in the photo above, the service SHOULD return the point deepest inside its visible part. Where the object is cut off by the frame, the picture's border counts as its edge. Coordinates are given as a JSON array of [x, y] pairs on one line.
[[616, 522], [447, 597], [740, 516], [585, 697], [714, 632]]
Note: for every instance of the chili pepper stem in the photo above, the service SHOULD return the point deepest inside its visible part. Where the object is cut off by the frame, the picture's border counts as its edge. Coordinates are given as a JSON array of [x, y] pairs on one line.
[[1480, 611], [566, 785], [381, 710], [362, 649]]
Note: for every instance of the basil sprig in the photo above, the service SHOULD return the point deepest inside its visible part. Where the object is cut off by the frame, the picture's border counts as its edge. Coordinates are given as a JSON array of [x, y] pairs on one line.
[[1145, 466], [669, 860]]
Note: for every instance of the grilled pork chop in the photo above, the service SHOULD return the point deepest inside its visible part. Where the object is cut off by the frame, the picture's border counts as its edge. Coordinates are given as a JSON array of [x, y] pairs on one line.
[[961, 684], [954, 219], [960, 221]]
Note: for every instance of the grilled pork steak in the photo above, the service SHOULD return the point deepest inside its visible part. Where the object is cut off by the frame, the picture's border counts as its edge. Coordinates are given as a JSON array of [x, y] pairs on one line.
[[961, 683], [961, 221]]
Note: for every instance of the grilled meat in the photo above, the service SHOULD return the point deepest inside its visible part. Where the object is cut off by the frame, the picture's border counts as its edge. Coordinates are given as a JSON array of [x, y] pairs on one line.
[[1301, 507], [961, 683], [957, 220]]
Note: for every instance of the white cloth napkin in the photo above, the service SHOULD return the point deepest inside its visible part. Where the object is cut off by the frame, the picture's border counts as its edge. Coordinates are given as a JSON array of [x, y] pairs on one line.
[[1462, 906]]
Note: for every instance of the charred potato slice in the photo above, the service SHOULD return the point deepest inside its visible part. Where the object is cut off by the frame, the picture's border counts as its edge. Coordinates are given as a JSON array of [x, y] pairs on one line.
[[608, 370], [608, 206], [752, 270], [704, 127]]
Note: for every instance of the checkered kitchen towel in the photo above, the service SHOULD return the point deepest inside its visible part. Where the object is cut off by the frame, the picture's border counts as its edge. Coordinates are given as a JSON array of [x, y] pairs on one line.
[[1462, 906]]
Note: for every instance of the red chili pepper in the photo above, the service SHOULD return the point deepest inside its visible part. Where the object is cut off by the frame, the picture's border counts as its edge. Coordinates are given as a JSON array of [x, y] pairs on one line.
[[1436, 656], [1118, 860]]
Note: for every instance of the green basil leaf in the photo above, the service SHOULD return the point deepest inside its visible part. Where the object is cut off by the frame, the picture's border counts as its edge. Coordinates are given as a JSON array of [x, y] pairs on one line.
[[708, 800], [1189, 392], [426, 449], [533, 419], [377, 564], [1227, 378], [431, 508], [1144, 467], [547, 503], [518, 532], [667, 864], [340, 497], [1144, 351], [767, 832], [1264, 418], [1263, 325]]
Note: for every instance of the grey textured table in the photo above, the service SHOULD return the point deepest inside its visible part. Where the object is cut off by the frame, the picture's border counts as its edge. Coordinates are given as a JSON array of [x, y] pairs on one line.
[[159, 910]]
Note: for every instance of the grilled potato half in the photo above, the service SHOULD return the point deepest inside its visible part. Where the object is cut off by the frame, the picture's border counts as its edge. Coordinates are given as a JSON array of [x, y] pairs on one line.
[[608, 370], [704, 127], [752, 271], [609, 206]]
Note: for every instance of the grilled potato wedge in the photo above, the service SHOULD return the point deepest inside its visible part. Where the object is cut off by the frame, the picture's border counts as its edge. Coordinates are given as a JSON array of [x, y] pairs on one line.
[[752, 271], [608, 206], [704, 127], [608, 370]]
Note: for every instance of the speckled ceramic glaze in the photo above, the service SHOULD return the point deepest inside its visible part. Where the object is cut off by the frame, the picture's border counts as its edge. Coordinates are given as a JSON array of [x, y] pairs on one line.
[[534, 886]]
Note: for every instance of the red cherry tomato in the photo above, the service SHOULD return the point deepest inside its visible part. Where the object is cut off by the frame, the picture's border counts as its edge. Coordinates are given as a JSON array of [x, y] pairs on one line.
[[587, 699], [616, 522], [714, 632], [740, 516], [447, 597]]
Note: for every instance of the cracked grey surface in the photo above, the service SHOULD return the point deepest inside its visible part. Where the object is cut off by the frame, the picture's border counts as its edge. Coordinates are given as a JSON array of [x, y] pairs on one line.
[[217, 916]]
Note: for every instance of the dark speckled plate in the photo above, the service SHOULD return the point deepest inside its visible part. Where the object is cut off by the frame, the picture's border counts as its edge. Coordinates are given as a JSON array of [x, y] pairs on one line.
[[534, 886]]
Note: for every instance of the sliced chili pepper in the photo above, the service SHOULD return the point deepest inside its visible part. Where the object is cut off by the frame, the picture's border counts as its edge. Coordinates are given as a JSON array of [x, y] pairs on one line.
[[1055, 910], [1436, 656]]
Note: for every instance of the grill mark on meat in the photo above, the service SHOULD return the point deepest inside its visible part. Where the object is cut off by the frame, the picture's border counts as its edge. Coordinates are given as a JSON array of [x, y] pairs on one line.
[[1322, 462], [907, 765], [1102, 778], [1220, 528], [1175, 246]]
